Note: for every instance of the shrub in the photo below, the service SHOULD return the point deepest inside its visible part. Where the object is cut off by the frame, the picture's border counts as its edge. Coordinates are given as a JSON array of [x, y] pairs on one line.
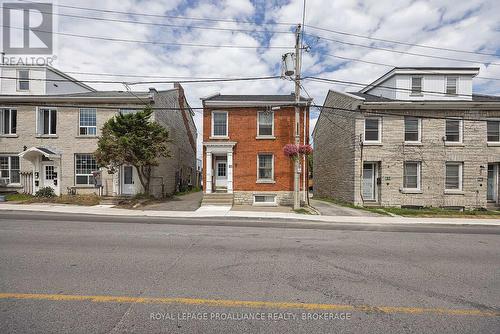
[[45, 192]]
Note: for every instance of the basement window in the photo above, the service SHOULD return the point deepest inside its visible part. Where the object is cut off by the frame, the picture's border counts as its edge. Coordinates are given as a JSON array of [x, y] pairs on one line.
[[264, 199]]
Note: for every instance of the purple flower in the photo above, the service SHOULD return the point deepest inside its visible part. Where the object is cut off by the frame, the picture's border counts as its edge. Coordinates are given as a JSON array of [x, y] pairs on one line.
[[305, 149], [291, 150]]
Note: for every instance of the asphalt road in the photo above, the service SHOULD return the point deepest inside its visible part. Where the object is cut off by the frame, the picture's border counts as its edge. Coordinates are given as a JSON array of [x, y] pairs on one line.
[[89, 274]]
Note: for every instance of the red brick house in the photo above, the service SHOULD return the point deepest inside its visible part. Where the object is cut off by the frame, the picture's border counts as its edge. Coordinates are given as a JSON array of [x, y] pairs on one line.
[[243, 140]]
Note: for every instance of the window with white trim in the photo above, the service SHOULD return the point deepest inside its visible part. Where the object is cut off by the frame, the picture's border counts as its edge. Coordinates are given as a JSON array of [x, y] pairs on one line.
[[451, 85], [23, 80], [10, 169], [412, 129], [372, 129], [453, 176], [411, 175], [87, 126], [127, 111], [8, 121], [416, 85], [219, 124], [85, 164], [264, 199], [47, 121], [265, 124], [265, 167], [493, 131], [454, 130]]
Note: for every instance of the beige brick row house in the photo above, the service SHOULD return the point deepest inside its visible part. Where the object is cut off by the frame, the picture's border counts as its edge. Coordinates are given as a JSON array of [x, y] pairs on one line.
[[415, 137], [48, 134]]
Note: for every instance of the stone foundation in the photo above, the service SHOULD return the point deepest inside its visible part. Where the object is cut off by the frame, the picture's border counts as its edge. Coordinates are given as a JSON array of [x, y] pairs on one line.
[[246, 197]]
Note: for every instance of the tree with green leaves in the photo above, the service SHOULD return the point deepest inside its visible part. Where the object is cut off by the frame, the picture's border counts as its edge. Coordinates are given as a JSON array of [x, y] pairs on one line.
[[133, 139]]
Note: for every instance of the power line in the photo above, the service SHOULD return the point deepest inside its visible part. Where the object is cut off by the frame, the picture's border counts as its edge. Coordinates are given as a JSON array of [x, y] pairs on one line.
[[390, 65], [152, 42], [101, 10], [167, 24], [402, 52], [148, 75], [399, 42]]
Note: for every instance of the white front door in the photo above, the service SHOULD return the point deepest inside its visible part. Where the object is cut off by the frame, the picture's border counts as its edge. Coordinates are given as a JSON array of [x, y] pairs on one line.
[[492, 185], [50, 176], [221, 174], [127, 180], [369, 182]]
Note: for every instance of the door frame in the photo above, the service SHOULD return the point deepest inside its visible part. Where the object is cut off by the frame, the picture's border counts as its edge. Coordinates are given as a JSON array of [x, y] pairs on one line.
[[374, 175], [217, 163], [496, 171], [57, 188], [132, 186]]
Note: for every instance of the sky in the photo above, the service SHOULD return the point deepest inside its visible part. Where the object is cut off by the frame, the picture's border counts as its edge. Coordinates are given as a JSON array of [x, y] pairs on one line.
[[454, 24]]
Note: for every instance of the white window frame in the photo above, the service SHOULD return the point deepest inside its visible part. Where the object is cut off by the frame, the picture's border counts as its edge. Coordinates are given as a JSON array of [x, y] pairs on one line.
[[39, 123], [379, 139], [460, 130], [271, 180], [419, 130], [88, 175], [419, 93], [460, 176], [272, 124], [2, 125], [9, 163], [227, 124], [419, 175], [273, 203], [127, 111], [492, 120], [87, 127], [446, 85], [19, 80]]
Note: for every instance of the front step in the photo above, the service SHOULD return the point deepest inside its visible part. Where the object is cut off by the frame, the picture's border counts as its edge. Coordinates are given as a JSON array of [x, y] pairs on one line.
[[217, 199]]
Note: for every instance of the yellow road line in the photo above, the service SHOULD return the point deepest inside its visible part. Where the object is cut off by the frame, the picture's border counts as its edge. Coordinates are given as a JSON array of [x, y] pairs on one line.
[[250, 304]]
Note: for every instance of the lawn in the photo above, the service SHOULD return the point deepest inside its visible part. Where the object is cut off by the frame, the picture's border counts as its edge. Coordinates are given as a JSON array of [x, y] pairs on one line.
[[86, 200]]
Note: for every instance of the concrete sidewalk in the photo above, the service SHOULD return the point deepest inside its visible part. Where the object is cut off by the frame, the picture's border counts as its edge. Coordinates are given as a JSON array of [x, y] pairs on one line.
[[108, 210]]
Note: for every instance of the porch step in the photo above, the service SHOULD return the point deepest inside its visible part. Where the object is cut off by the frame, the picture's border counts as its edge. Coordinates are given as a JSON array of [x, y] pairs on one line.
[[217, 199]]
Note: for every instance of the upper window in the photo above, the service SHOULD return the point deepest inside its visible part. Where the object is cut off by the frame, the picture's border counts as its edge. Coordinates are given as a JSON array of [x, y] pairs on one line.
[[411, 175], [47, 121], [265, 123], [266, 167], [219, 124], [451, 85], [87, 122], [23, 80], [372, 129], [412, 129], [9, 169], [85, 164], [454, 130], [128, 111], [8, 121], [453, 176], [493, 131], [416, 85]]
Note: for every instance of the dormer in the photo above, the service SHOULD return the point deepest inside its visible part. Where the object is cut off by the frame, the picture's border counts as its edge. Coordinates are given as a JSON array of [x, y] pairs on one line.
[[424, 83]]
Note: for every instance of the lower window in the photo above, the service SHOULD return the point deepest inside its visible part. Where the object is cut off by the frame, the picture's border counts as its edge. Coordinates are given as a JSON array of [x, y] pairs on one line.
[[453, 175], [264, 199], [9, 169], [85, 164], [411, 175]]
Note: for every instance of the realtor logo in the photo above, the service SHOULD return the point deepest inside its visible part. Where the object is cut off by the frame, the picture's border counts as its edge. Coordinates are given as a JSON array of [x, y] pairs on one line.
[[27, 28]]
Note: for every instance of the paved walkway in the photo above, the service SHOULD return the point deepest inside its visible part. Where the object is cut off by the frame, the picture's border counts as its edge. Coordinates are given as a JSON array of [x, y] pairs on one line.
[[108, 210], [331, 209], [188, 202]]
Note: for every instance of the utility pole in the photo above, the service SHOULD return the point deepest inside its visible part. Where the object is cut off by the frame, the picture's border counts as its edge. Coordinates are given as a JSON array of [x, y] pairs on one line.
[[296, 180]]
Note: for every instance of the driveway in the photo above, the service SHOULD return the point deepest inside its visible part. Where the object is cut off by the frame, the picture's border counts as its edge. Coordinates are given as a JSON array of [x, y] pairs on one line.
[[188, 202], [331, 209]]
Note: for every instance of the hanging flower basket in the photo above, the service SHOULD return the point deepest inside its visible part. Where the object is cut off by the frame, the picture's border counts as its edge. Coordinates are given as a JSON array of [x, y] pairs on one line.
[[295, 151]]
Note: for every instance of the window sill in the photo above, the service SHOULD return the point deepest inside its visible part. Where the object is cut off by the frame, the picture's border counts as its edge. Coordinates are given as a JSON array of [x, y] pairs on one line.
[[454, 192], [416, 94], [83, 136], [411, 191], [13, 185], [413, 143], [456, 144], [265, 137], [264, 204], [372, 143], [218, 137], [9, 136], [266, 181], [46, 136], [493, 143]]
